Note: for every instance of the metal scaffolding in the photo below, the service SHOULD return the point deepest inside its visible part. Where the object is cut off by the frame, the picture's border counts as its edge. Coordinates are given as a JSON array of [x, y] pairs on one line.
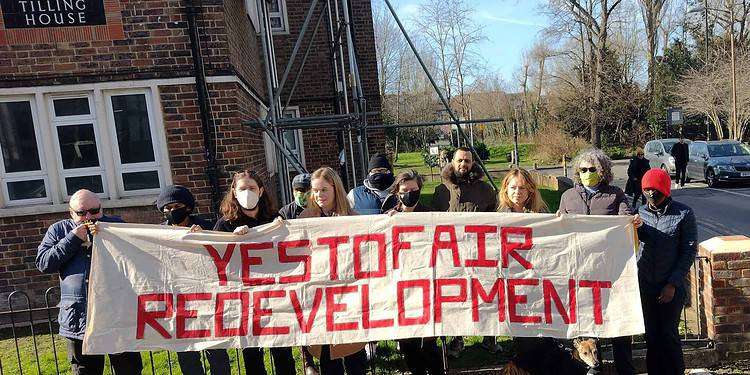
[[351, 117]]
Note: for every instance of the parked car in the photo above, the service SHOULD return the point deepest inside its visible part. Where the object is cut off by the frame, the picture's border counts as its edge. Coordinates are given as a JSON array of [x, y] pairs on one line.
[[719, 161], [657, 153]]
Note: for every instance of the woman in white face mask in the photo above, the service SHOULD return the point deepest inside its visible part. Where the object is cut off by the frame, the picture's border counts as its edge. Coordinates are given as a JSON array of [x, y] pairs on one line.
[[244, 206]]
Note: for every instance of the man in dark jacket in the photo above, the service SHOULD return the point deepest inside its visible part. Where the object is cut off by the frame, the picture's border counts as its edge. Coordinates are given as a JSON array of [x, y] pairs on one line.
[[367, 199], [464, 190], [668, 240], [301, 192], [66, 250], [680, 154], [176, 203], [636, 169]]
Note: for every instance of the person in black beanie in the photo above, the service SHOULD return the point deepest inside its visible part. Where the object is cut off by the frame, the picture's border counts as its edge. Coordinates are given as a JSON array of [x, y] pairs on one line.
[[301, 192], [176, 203], [368, 198]]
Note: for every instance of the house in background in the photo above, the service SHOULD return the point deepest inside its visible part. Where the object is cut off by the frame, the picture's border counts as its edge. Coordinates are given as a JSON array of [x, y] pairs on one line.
[[102, 94]]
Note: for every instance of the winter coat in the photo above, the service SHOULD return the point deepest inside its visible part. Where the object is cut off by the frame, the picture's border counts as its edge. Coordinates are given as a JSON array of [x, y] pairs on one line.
[[609, 200], [636, 169], [61, 251], [366, 200], [508, 210], [195, 220], [468, 194], [669, 244], [680, 153], [291, 211], [224, 225]]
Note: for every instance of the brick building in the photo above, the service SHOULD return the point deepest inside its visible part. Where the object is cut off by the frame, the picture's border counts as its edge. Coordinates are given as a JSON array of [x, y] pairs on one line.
[[102, 94]]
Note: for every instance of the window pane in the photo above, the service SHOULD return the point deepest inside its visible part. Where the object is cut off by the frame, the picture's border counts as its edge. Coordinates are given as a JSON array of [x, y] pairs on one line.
[[26, 190], [93, 183], [78, 146], [140, 180], [290, 138], [17, 137], [133, 131], [71, 107], [276, 23], [273, 6]]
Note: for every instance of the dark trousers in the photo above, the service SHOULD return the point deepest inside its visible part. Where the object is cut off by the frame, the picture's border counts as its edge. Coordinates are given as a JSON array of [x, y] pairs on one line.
[[622, 353], [355, 364], [680, 171], [663, 346], [80, 364], [422, 355], [283, 361], [218, 360]]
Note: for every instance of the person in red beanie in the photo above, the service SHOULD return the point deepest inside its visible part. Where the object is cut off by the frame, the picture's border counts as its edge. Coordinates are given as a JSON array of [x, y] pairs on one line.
[[668, 248]]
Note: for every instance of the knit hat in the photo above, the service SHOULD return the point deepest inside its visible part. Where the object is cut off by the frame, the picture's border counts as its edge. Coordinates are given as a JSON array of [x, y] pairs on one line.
[[657, 179], [379, 161], [301, 181], [175, 194]]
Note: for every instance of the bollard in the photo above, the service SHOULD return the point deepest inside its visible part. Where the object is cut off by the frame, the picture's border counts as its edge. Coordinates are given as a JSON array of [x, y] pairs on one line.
[[565, 165]]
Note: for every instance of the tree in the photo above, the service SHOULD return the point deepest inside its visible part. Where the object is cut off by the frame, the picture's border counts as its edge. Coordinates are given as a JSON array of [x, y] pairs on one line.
[[652, 12]]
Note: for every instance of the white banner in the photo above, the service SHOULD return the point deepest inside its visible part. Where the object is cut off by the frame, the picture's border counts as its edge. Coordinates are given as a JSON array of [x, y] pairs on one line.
[[362, 278]]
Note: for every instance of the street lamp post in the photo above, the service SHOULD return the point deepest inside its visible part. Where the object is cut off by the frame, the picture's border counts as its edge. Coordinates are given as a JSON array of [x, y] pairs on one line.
[[734, 77]]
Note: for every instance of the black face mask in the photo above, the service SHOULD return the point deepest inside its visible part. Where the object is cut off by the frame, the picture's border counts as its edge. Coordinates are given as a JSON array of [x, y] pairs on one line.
[[381, 180], [410, 198], [177, 215], [654, 197]]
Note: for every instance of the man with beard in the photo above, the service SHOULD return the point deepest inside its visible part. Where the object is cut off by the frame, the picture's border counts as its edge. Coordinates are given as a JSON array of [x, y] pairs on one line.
[[464, 190], [668, 248], [368, 198]]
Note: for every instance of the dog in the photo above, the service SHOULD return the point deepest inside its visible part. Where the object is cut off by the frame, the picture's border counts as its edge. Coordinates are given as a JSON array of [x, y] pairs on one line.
[[555, 357]]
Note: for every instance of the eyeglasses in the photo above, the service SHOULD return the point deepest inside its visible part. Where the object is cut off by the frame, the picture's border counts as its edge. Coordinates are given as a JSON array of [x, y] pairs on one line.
[[590, 169], [92, 211]]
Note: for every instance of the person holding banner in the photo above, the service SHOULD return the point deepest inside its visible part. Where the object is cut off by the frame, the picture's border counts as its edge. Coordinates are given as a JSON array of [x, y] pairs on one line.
[[593, 195], [669, 243], [463, 189], [329, 199], [421, 354], [66, 250], [176, 203], [246, 205]]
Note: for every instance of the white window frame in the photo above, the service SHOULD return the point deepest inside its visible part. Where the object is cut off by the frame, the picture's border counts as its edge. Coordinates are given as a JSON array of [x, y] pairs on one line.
[[41, 174], [294, 110], [60, 121], [120, 168], [284, 29]]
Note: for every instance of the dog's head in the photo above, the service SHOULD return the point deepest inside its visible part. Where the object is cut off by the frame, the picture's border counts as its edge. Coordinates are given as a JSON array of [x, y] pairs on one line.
[[586, 351]]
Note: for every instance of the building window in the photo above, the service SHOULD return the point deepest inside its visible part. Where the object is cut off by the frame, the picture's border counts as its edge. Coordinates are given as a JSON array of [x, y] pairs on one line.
[[109, 148], [293, 138], [277, 16]]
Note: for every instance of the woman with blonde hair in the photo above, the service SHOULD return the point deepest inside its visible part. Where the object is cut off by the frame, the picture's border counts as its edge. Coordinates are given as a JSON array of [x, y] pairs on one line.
[[328, 199], [519, 193]]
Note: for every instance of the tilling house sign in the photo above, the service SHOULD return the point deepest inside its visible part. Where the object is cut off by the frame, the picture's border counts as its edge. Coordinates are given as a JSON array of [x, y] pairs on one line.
[[21, 14]]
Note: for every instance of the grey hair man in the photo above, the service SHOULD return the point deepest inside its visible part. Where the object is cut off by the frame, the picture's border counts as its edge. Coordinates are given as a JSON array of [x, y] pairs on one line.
[[66, 250]]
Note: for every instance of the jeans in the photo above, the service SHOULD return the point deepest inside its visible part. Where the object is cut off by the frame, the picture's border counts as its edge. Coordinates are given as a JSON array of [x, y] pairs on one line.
[[218, 359], [680, 171], [355, 364], [663, 345], [128, 363]]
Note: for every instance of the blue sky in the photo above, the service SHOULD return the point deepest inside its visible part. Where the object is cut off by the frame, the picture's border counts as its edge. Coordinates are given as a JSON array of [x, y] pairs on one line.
[[511, 26]]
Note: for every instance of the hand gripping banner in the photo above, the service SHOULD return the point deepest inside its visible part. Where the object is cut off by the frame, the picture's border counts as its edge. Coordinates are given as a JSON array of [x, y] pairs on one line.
[[362, 278]]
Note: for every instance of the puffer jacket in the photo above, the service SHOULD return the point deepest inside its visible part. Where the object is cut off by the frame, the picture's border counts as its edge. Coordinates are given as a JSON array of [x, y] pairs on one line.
[[61, 252], [669, 244], [609, 200], [469, 194]]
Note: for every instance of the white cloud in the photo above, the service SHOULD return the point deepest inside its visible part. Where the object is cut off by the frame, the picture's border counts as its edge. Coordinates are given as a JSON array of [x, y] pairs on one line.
[[408, 9], [515, 21]]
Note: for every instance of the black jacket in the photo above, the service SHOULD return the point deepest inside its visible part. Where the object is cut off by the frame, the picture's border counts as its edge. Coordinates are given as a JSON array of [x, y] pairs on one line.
[[680, 153], [224, 225], [291, 211], [636, 169], [195, 220], [669, 240]]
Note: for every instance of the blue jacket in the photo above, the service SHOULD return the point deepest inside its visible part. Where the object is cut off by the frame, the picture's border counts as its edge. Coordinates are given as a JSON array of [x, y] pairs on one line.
[[669, 244], [61, 252], [366, 200]]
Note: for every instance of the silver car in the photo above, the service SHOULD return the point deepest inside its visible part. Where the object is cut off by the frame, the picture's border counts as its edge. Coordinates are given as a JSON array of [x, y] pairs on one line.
[[719, 161], [657, 153]]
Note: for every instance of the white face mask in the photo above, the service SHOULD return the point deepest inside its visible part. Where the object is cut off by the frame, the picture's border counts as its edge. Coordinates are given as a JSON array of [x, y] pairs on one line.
[[248, 199]]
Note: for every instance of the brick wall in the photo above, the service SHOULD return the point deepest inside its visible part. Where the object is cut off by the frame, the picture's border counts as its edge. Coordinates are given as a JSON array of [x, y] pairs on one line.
[[724, 294]]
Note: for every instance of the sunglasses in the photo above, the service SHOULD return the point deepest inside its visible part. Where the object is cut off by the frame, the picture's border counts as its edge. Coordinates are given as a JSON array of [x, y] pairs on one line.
[[92, 211], [590, 169]]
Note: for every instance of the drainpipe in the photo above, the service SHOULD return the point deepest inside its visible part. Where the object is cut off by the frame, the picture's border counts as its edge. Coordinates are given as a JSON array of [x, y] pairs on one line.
[[205, 110]]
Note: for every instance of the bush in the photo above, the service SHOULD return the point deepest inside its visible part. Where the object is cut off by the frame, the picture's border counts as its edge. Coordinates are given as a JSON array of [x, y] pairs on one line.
[[552, 142], [617, 152], [449, 151], [430, 160], [482, 151]]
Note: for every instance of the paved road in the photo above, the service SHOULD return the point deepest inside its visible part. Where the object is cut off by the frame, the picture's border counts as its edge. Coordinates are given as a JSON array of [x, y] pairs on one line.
[[719, 212]]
